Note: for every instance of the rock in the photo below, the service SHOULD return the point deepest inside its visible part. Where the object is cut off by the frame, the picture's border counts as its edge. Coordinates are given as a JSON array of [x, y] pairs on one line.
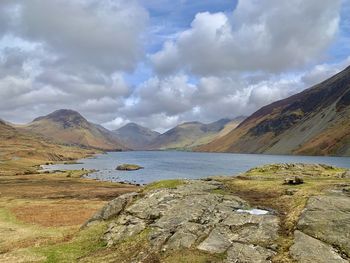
[[126, 226], [294, 181], [193, 216], [113, 208], [128, 167], [244, 253], [346, 174], [217, 242], [307, 249], [327, 218]]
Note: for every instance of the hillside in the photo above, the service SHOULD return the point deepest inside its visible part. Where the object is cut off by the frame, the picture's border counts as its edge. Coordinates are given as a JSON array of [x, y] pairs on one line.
[[135, 136], [313, 122], [192, 134], [69, 127]]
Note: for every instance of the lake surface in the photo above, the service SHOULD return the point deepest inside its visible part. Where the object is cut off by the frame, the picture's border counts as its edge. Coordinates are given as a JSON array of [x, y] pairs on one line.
[[161, 165]]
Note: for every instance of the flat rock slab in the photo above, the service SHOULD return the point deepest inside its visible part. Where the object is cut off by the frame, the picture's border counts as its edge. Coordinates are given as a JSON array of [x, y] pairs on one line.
[[307, 249], [323, 226], [244, 253], [194, 216]]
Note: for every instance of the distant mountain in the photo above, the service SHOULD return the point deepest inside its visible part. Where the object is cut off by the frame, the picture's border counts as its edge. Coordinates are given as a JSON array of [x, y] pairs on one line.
[[192, 134], [135, 136], [69, 127], [313, 122]]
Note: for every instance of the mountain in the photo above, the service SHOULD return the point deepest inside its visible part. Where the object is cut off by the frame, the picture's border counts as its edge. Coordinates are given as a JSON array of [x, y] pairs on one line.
[[313, 122], [21, 150], [69, 127], [135, 136], [192, 134]]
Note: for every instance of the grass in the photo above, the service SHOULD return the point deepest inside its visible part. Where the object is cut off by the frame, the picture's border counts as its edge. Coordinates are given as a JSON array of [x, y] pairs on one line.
[[16, 235], [86, 242], [169, 184]]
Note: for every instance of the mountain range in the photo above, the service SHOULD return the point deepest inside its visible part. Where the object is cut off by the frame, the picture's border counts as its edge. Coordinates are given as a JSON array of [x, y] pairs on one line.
[[313, 122], [70, 128]]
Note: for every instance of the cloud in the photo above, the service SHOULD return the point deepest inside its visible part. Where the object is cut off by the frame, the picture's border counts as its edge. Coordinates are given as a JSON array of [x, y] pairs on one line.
[[323, 71], [206, 63], [105, 34], [270, 36], [171, 96], [68, 54]]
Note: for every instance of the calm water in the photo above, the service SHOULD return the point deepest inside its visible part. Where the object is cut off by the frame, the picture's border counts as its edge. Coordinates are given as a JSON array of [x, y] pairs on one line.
[[170, 165]]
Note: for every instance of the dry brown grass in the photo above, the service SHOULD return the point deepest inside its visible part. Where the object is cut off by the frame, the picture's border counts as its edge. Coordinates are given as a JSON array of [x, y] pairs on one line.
[[57, 214]]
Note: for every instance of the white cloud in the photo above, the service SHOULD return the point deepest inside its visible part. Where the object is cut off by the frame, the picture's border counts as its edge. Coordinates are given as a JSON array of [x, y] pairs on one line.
[[68, 54], [259, 36], [105, 34]]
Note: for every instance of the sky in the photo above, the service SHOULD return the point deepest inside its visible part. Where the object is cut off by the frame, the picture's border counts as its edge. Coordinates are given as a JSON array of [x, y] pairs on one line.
[[163, 62]]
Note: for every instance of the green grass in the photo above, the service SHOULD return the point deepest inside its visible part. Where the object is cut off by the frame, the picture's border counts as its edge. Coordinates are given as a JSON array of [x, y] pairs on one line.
[[86, 242], [7, 217], [169, 184]]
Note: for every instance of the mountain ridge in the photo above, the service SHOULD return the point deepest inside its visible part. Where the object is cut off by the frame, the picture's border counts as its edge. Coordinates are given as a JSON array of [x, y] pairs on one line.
[[314, 121], [191, 134]]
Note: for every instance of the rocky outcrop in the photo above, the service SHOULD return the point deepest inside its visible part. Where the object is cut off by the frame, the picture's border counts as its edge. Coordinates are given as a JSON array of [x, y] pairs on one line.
[[323, 233], [194, 216], [112, 209]]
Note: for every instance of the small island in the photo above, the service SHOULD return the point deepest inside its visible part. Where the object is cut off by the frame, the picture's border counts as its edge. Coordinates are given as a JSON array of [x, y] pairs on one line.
[[128, 167]]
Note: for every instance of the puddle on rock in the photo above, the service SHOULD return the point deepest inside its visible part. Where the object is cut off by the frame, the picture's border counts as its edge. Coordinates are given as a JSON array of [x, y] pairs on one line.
[[253, 211]]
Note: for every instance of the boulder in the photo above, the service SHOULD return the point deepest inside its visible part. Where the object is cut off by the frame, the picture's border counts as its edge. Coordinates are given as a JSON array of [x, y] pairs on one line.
[[294, 181]]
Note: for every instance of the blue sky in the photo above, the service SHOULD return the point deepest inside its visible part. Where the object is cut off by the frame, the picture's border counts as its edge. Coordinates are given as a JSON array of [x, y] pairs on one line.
[[162, 62]]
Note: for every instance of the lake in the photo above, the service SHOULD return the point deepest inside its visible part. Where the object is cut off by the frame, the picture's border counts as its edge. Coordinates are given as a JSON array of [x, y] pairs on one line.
[[161, 165]]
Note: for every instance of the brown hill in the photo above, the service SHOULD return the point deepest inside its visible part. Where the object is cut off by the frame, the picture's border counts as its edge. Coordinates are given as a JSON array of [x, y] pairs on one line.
[[191, 134], [23, 151], [69, 127], [313, 122]]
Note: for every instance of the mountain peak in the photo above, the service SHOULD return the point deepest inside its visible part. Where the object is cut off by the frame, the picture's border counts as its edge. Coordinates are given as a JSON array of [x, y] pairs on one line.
[[68, 118], [135, 136], [61, 114]]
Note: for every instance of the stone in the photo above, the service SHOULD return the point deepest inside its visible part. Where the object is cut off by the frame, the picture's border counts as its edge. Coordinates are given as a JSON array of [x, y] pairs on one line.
[[124, 229], [191, 216], [294, 181], [245, 253], [307, 249], [346, 174], [217, 242], [327, 218], [112, 209]]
